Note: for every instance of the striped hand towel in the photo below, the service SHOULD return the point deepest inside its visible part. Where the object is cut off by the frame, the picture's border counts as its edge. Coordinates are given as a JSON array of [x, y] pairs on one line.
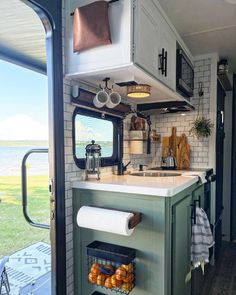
[[202, 240]]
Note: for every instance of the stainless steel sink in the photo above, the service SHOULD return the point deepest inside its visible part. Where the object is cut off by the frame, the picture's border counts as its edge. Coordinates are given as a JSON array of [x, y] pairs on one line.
[[155, 174]]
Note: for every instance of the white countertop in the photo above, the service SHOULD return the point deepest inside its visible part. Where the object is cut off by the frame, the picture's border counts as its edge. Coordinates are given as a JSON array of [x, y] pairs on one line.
[[156, 186]]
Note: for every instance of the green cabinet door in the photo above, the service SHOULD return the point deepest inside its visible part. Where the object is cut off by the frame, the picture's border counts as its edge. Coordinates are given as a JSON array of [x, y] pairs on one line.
[[181, 242]]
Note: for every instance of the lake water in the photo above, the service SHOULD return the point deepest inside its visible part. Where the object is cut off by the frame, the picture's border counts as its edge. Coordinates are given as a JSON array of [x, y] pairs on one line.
[[11, 158], [12, 153]]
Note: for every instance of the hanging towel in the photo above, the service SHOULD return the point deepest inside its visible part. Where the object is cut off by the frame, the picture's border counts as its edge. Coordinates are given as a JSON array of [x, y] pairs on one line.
[[91, 26], [202, 239]]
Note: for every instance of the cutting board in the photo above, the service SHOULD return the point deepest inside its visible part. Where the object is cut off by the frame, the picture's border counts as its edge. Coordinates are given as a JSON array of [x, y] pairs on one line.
[[174, 141], [180, 148], [183, 153]]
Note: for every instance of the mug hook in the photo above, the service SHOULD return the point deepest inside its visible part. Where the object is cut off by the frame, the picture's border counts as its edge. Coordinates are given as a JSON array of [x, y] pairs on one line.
[[106, 85]]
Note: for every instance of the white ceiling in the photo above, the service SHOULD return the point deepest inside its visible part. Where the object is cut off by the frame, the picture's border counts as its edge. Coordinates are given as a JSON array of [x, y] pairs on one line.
[[205, 25], [22, 35]]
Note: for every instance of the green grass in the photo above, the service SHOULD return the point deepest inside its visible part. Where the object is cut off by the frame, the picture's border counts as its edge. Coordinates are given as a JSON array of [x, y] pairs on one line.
[[15, 232]]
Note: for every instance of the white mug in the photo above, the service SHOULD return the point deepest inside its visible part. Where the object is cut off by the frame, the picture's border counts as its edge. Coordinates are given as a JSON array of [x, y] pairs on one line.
[[101, 99], [114, 100]]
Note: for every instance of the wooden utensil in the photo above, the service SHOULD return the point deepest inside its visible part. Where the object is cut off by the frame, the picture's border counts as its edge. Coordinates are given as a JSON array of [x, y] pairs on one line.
[[173, 141], [165, 145], [180, 148], [183, 153]]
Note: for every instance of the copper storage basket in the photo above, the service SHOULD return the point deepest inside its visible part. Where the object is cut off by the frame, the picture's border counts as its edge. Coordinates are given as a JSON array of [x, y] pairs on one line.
[[111, 266]]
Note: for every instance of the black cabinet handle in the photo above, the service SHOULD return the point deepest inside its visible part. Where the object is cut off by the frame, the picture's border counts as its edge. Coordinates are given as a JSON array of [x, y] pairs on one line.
[[161, 61], [194, 206], [165, 64]]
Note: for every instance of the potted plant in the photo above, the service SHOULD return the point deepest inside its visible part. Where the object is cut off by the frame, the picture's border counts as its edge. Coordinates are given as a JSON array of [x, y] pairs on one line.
[[202, 126]]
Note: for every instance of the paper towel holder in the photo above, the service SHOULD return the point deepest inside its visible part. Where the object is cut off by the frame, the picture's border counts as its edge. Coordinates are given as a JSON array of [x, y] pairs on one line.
[[133, 222]]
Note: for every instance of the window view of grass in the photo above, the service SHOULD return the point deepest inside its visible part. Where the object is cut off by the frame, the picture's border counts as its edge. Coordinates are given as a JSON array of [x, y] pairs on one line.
[[16, 233]]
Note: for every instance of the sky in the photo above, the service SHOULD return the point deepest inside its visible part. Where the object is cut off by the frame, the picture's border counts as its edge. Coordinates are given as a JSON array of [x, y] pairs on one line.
[[88, 129], [24, 108], [23, 103]]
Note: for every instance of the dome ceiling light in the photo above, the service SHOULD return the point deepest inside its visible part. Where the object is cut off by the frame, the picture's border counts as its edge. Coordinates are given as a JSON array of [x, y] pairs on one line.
[[139, 91]]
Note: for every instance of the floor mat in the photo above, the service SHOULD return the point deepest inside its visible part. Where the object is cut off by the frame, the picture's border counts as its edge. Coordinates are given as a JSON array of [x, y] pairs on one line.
[[28, 264]]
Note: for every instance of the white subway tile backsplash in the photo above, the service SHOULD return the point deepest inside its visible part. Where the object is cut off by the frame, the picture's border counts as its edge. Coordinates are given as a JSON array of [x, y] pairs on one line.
[[199, 148], [199, 63]]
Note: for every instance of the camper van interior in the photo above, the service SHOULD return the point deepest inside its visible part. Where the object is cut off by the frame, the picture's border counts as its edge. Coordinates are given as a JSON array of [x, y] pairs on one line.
[[141, 146]]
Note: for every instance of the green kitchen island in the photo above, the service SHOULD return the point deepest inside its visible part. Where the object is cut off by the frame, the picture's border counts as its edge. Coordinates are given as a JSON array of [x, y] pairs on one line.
[[162, 239]]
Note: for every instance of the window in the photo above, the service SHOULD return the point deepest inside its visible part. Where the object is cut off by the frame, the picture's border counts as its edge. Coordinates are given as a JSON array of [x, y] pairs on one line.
[[104, 129]]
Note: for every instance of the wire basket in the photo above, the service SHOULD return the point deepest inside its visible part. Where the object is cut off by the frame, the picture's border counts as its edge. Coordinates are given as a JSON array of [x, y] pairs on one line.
[[111, 266]]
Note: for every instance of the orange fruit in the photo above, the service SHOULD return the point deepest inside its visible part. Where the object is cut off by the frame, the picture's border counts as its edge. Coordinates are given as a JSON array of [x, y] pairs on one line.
[[115, 283], [108, 283], [129, 267], [95, 271], [101, 280], [120, 273], [95, 268], [129, 278], [127, 287], [92, 278], [95, 265]]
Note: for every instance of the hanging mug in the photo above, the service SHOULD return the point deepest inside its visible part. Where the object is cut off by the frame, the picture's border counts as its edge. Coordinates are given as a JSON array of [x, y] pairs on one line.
[[101, 99], [114, 100]]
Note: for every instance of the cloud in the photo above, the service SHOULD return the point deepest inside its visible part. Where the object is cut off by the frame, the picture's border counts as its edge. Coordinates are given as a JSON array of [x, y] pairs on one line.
[[84, 133], [22, 127]]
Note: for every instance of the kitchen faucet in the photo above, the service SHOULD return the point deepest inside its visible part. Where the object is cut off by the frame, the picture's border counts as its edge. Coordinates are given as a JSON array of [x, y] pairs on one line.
[[122, 168]]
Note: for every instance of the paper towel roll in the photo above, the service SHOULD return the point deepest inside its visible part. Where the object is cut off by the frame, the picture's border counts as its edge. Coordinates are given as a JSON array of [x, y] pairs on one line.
[[112, 221]]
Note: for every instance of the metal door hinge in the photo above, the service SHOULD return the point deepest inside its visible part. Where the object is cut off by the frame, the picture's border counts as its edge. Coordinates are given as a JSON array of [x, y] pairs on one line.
[[51, 191], [52, 214], [133, 48], [134, 4]]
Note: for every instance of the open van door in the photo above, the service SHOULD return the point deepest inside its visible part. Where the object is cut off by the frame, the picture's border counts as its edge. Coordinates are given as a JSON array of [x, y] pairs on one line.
[[49, 13]]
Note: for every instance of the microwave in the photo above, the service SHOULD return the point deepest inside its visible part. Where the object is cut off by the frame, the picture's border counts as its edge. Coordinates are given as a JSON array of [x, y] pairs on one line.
[[184, 73]]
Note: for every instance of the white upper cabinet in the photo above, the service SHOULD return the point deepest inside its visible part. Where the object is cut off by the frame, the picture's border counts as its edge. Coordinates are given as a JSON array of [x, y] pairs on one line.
[[143, 48], [154, 43], [147, 32], [168, 48], [103, 57]]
